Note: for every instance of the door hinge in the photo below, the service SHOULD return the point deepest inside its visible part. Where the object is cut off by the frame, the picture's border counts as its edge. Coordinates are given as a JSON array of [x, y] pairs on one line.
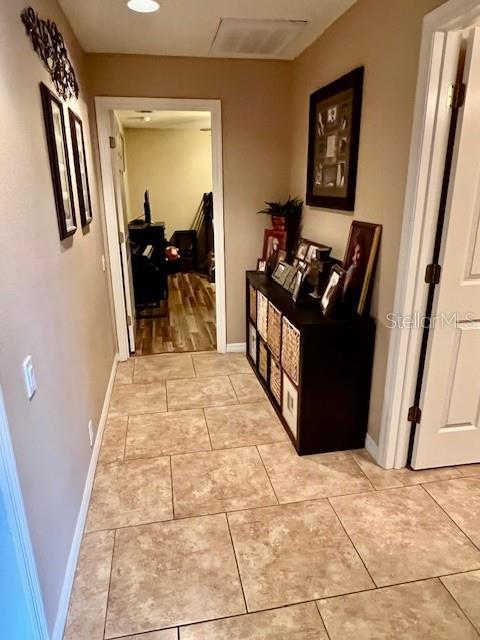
[[414, 414], [113, 142], [129, 320], [432, 273], [121, 237], [456, 95]]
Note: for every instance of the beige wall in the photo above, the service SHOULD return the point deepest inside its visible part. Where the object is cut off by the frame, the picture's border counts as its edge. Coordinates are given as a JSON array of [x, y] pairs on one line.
[[385, 38], [255, 117], [51, 294], [175, 165]]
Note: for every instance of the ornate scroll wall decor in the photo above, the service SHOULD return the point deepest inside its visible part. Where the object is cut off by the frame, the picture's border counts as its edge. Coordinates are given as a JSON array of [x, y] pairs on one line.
[[48, 43]]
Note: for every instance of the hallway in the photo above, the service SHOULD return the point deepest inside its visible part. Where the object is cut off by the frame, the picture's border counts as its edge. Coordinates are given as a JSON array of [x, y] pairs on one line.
[[205, 523]]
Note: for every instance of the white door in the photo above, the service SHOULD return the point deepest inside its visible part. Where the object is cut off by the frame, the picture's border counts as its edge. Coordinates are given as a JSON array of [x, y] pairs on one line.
[[449, 430], [118, 164]]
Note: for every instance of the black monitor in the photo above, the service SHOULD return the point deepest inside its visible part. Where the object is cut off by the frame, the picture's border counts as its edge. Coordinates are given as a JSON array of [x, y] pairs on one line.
[[146, 208]]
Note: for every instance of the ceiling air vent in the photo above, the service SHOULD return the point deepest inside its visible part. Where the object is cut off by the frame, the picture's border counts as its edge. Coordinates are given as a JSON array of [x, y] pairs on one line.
[[254, 38]]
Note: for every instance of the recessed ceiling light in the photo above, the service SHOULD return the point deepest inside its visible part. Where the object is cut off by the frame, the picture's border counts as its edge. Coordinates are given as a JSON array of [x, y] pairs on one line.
[[143, 6]]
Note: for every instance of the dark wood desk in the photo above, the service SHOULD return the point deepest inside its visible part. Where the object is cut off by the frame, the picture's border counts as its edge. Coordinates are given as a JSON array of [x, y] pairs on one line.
[[144, 234]]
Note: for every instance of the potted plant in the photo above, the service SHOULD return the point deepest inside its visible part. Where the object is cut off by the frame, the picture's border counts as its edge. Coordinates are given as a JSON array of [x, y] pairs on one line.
[[286, 216]]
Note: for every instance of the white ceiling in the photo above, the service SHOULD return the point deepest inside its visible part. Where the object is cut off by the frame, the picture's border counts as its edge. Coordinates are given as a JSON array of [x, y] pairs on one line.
[[164, 119], [188, 27]]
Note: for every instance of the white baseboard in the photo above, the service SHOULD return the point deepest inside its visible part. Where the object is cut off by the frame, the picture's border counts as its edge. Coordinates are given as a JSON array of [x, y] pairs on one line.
[[371, 447], [237, 347], [64, 602]]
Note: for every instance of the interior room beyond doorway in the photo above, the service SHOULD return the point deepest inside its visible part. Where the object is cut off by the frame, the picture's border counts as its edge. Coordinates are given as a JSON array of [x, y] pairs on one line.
[[167, 178]]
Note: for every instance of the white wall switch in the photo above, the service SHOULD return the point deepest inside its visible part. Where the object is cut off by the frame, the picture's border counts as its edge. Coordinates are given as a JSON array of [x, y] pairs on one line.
[[104, 265], [90, 432], [29, 377]]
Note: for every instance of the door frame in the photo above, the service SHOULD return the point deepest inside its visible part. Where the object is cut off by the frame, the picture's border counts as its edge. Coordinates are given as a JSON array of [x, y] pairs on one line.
[[424, 180], [103, 105], [16, 515]]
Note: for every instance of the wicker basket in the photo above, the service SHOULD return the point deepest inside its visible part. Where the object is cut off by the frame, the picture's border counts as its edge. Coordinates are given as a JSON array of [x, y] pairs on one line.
[[263, 359], [253, 303], [290, 350], [262, 315], [276, 380], [274, 330]]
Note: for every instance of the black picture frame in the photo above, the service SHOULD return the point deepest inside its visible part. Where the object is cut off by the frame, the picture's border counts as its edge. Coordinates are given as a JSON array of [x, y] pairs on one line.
[[333, 290], [81, 170], [333, 141], [59, 162]]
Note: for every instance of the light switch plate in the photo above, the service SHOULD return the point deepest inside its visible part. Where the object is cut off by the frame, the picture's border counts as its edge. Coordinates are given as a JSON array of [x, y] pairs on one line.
[[29, 377]]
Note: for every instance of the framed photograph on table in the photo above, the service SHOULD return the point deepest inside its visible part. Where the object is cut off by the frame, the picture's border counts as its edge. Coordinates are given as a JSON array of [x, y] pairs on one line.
[[81, 172], [359, 263], [297, 282], [261, 265], [59, 163], [333, 138], [280, 272], [333, 290], [274, 241]]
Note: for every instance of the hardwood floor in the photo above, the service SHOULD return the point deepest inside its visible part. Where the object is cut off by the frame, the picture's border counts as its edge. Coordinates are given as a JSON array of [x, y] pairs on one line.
[[189, 322]]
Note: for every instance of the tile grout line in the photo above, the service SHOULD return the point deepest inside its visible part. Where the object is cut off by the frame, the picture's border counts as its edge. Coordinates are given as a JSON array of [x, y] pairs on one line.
[[477, 547], [193, 365], [234, 390], [362, 471], [321, 617], [459, 606], [281, 504], [125, 439], [236, 563], [171, 483], [268, 476], [109, 582], [351, 542], [208, 430]]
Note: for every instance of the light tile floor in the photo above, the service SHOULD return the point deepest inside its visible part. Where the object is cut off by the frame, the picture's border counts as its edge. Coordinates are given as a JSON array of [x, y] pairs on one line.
[[204, 524]]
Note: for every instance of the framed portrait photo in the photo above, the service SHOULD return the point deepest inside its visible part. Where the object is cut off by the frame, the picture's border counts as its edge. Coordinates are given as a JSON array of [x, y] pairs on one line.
[[81, 172], [274, 241], [333, 138], [333, 290], [280, 272], [359, 263], [59, 163], [261, 265]]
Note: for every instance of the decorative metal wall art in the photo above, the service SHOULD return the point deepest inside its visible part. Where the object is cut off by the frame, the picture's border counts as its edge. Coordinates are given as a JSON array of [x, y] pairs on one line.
[[49, 45]]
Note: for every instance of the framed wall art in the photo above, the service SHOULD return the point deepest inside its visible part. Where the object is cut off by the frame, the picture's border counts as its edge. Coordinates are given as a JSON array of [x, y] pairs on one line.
[[59, 164], [334, 131], [81, 172], [359, 263]]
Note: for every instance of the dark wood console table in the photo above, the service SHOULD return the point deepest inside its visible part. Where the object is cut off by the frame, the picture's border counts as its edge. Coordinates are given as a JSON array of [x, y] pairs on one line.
[[316, 370]]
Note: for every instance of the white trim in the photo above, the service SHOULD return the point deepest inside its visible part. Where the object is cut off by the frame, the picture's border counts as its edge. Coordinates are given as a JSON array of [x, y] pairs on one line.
[[371, 447], [103, 106], [419, 219], [12, 494], [64, 601], [236, 347]]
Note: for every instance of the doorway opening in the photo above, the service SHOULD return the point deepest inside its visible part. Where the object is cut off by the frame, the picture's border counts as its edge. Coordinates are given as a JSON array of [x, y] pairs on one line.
[[161, 162], [165, 162]]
